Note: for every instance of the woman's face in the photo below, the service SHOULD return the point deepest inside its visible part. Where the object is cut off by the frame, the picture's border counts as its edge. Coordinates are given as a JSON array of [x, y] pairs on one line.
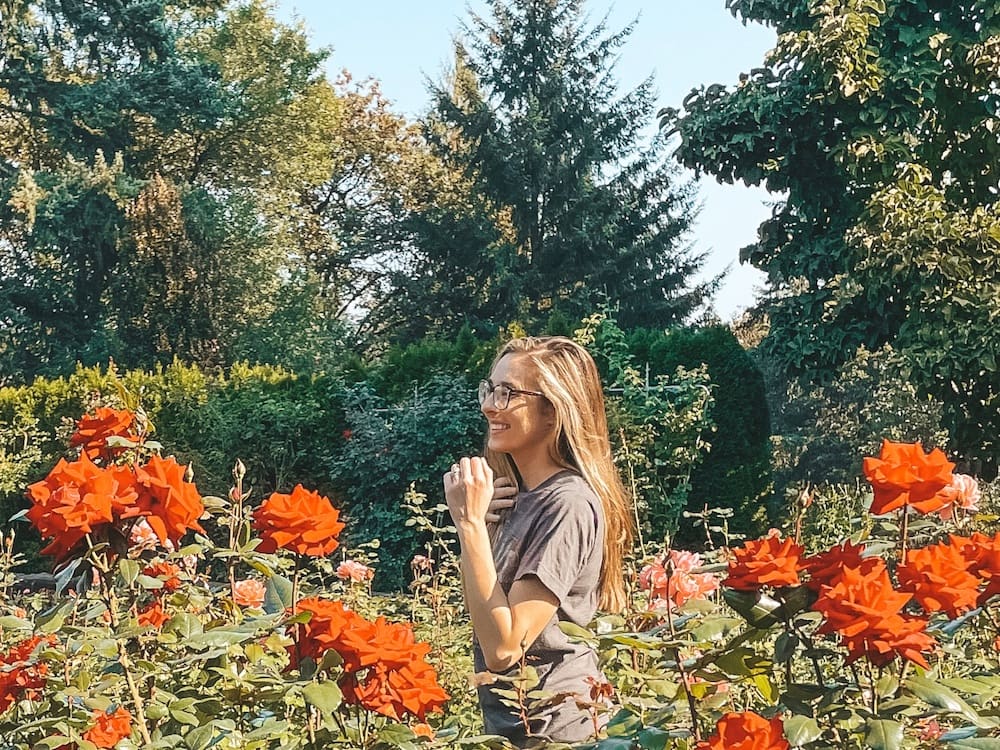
[[526, 425]]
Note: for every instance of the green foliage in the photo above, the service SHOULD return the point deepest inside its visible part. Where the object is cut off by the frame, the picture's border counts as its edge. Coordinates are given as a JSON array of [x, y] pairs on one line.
[[403, 366], [877, 120], [735, 473], [657, 429], [819, 430], [393, 445], [151, 190], [578, 206]]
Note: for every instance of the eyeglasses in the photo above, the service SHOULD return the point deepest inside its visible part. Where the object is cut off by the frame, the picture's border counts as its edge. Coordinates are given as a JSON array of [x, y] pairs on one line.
[[501, 394]]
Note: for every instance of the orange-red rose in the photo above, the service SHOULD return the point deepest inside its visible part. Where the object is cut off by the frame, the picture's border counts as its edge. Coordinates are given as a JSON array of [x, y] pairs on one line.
[[864, 609], [152, 615], [826, 568], [79, 498], [109, 729], [746, 731], [304, 522], [770, 561], [166, 572], [21, 674], [938, 577], [93, 431], [904, 476], [384, 669], [171, 505]]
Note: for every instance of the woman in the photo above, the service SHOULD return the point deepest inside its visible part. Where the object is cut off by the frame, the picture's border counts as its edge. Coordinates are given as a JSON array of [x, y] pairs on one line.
[[558, 555]]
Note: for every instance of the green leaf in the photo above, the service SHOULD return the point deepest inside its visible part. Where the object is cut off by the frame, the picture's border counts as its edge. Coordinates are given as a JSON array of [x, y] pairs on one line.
[[277, 594], [129, 570], [184, 624], [883, 734], [200, 737], [324, 696], [938, 695], [784, 647], [801, 730], [652, 738]]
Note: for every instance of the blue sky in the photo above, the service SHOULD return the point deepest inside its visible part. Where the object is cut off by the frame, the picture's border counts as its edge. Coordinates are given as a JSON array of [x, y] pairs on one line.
[[682, 43]]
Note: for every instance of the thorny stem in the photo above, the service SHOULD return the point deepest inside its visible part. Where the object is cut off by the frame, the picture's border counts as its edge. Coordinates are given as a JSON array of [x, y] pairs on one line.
[[235, 523], [634, 488], [903, 531], [111, 602], [692, 706]]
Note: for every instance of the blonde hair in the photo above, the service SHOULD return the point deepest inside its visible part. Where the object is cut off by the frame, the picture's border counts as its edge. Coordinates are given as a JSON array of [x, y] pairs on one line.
[[571, 383]]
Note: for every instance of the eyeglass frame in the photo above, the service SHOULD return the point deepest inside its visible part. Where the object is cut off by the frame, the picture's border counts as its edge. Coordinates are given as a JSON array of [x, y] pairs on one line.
[[490, 391]]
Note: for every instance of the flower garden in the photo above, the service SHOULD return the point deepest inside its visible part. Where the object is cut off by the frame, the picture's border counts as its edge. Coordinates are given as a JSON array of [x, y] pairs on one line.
[[187, 621]]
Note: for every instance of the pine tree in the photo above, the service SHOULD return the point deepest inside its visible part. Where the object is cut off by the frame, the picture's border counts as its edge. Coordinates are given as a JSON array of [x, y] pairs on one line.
[[581, 209]]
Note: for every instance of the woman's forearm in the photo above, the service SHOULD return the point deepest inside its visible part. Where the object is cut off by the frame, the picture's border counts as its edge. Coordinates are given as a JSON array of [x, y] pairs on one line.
[[488, 606]]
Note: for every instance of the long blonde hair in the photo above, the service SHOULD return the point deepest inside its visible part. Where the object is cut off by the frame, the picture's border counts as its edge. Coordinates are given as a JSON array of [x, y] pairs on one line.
[[571, 383]]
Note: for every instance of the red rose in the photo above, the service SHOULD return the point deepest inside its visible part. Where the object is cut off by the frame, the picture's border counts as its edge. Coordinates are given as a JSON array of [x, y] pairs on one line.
[[93, 431], [826, 568], [770, 561], [903, 475], [79, 498], [109, 729], [170, 505], [938, 576], [304, 522], [864, 609], [746, 731]]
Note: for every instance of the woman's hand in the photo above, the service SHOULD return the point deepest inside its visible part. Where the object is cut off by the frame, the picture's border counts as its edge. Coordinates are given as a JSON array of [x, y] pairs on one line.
[[504, 494], [468, 490]]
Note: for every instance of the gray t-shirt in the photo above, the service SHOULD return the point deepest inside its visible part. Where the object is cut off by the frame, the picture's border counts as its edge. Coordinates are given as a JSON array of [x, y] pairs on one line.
[[556, 533]]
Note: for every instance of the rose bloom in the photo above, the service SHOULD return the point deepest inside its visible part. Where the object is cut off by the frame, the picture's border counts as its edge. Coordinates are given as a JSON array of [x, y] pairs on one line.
[[825, 568], [904, 476], [166, 572], [152, 615], [680, 585], [21, 674], [79, 498], [304, 522], [983, 556], [142, 537], [746, 731], [938, 577], [354, 571], [93, 431], [171, 505], [963, 493], [770, 561], [864, 610], [249, 593], [410, 689], [109, 729], [423, 730]]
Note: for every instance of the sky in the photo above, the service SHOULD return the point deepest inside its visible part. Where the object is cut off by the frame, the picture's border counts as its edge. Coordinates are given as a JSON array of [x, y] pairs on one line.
[[681, 43]]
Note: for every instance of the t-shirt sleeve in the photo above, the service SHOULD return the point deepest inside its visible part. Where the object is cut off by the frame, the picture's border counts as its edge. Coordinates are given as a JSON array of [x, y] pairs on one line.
[[560, 542]]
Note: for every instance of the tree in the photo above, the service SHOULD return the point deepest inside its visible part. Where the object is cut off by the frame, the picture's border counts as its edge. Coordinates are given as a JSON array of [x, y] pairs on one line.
[[580, 210], [155, 159], [878, 120]]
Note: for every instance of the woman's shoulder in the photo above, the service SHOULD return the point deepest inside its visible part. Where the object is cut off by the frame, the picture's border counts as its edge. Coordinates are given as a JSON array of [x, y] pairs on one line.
[[567, 490]]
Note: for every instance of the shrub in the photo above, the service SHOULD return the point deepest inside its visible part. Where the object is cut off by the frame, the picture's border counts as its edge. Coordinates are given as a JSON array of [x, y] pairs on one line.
[[735, 473]]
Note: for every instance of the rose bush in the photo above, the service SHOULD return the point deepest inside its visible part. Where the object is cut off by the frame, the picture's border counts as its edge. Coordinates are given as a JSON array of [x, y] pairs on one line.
[[161, 636], [140, 647]]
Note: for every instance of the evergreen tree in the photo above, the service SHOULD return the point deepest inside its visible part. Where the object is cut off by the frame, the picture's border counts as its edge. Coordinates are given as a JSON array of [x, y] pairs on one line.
[[578, 208]]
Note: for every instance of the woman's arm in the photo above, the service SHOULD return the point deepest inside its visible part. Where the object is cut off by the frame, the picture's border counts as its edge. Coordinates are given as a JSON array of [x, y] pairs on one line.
[[504, 624]]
